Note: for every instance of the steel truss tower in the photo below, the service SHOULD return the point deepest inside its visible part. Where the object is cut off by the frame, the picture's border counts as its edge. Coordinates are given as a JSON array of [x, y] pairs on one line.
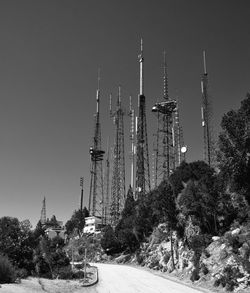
[[142, 183], [206, 116], [165, 147], [107, 189], [96, 195], [118, 176], [178, 141], [43, 212]]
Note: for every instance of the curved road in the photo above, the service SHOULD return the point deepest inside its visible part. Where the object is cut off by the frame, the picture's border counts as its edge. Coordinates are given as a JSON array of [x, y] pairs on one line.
[[126, 279]]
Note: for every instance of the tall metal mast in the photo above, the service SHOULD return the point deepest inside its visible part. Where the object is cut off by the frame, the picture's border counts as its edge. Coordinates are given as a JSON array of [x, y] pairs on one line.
[[178, 141], [107, 195], [164, 148], [96, 196], [43, 212], [118, 177], [142, 155], [206, 116], [132, 139], [81, 185]]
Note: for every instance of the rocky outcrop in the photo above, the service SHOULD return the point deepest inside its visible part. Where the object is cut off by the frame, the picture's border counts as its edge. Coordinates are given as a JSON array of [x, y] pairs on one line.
[[224, 262]]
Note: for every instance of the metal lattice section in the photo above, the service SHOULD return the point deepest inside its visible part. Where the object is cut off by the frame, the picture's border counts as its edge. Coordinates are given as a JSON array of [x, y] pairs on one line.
[[118, 176], [43, 212], [206, 115], [166, 134], [142, 183], [96, 196]]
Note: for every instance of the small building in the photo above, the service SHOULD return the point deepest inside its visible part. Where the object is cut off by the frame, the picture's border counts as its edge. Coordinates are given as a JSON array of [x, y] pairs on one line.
[[92, 225], [56, 230]]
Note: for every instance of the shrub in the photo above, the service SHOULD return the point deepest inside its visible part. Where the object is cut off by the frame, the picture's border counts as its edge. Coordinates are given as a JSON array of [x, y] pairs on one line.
[[7, 272], [233, 241], [228, 278], [22, 273], [65, 273], [109, 241]]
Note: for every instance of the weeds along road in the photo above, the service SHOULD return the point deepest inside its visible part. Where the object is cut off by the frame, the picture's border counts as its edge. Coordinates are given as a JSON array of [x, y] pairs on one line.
[[126, 279]]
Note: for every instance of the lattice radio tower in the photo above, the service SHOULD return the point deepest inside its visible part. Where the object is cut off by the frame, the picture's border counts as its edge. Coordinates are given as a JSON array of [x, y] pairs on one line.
[[178, 141], [206, 116], [164, 149], [96, 195], [43, 212], [142, 179], [107, 188], [118, 176]]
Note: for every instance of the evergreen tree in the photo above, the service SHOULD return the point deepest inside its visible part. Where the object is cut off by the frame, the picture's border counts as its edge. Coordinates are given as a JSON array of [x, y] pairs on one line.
[[234, 149]]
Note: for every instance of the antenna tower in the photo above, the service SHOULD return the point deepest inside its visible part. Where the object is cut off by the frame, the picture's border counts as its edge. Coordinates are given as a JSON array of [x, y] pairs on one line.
[[107, 195], [206, 116], [165, 141], [118, 176], [81, 185], [178, 141], [43, 212], [132, 139], [96, 196], [142, 156]]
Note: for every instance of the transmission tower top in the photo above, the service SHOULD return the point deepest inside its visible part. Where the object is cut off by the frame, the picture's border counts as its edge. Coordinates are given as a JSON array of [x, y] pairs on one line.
[[43, 212], [141, 59], [204, 62], [98, 92], [165, 77]]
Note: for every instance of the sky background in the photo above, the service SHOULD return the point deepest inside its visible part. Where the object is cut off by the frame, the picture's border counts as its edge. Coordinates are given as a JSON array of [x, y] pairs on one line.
[[50, 52]]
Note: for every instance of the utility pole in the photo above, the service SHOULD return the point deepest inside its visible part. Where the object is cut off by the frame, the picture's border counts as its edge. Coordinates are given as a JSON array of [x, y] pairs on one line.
[[142, 156], [206, 117], [96, 196], [118, 176], [164, 148]]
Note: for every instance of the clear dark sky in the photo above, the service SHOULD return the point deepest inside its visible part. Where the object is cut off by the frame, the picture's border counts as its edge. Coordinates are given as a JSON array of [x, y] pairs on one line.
[[50, 52]]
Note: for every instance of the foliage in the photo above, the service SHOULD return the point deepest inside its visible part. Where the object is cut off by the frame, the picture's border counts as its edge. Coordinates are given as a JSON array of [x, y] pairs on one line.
[[125, 231], [127, 240], [50, 257], [228, 277], [7, 272], [17, 242], [77, 221], [234, 149], [52, 222], [109, 241], [195, 171]]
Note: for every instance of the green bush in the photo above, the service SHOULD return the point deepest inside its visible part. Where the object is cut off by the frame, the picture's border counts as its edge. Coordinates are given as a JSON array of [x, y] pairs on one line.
[[65, 273], [228, 278], [7, 272], [22, 273]]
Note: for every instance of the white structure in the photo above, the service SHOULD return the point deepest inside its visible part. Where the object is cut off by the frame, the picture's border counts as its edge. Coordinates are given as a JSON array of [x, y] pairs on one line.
[[92, 225], [53, 232]]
